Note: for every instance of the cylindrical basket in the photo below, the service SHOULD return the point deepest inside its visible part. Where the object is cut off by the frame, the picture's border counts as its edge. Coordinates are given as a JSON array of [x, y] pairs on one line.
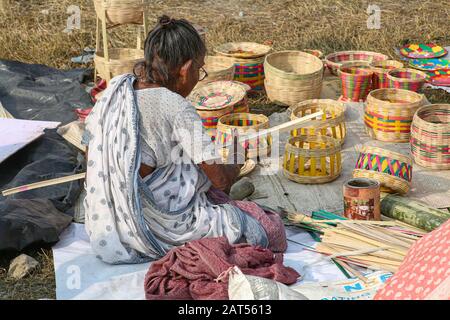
[[389, 113], [244, 123], [119, 12], [292, 77], [332, 122], [121, 60], [242, 106], [216, 99], [334, 60], [430, 136], [380, 70], [393, 170], [249, 62], [356, 81], [405, 78], [218, 68], [312, 159]]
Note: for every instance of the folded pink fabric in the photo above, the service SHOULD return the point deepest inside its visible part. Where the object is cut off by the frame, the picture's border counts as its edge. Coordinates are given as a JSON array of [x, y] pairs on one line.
[[190, 271]]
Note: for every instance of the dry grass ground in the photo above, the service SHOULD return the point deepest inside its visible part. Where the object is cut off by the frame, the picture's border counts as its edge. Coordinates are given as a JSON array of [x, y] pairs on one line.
[[32, 31]]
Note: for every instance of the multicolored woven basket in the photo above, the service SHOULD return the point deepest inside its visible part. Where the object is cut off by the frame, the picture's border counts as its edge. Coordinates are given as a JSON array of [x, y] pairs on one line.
[[334, 60], [245, 123], [393, 170], [380, 70], [356, 81], [251, 73], [332, 122], [405, 78], [389, 112], [423, 50], [430, 136], [312, 159]]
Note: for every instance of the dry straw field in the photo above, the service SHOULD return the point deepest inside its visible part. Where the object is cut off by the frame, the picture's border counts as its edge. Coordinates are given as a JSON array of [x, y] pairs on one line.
[[32, 31]]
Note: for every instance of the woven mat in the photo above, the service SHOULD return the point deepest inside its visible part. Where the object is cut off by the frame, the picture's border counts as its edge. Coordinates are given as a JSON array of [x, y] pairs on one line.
[[430, 186]]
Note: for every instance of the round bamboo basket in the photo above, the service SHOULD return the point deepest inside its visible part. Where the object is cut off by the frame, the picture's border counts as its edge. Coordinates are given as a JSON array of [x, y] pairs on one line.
[[215, 99], [312, 159], [243, 50], [292, 77], [356, 80], [119, 12], [332, 122], [334, 60], [245, 123], [389, 113], [405, 78], [430, 136], [380, 70], [393, 170], [242, 106], [218, 68], [121, 60]]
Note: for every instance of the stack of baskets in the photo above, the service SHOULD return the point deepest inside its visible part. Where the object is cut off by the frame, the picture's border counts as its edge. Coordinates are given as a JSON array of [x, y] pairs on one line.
[[334, 60], [389, 113], [332, 122], [244, 123], [393, 170], [405, 78], [312, 159], [292, 77], [248, 58], [215, 99], [430, 136], [356, 80], [380, 71]]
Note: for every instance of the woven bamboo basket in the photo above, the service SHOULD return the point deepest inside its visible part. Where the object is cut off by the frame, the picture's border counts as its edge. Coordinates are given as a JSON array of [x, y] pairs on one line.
[[218, 69], [430, 136], [356, 81], [334, 60], [245, 123], [121, 60], [242, 106], [393, 170], [332, 122], [405, 78], [119, 12], [380, 70], [293, 76], [312, 159], [243, 50], [389, 113]]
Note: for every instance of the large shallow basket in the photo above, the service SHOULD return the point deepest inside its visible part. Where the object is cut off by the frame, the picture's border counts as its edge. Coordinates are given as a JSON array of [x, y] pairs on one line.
[[389, 113], [356, 81], [121, 11], [430, 136], [216, 99], [293, 76], [331, 123], [393, 170], [380, 70], [121, 60], [244, 123], [405, 78], [243, 50], [312, 159], [334, 60]]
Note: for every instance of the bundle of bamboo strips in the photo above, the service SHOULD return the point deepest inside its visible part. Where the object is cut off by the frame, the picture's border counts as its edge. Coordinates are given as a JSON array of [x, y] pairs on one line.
[[377, 245]]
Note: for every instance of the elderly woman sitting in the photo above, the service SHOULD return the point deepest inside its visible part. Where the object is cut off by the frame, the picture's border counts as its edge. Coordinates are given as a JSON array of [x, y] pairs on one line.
[[149, 185]]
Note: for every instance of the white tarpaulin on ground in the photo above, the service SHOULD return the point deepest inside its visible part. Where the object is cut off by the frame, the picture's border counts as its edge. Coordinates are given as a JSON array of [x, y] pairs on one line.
[[80, 275]]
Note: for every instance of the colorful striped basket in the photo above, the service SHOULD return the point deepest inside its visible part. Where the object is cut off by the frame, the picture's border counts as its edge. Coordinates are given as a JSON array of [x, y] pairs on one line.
[[249, 62], [405, 78], [380, 70], [393, 170], [334, 60], [245, 123], [292, 77], [430, 136], [242, 106], [312, 159], [216, 99], [389, 113], [356, 81], [332, 122]]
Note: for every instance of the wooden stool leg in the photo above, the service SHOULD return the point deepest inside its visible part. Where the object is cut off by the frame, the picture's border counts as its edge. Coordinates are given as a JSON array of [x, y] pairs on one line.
[[97, 45], [105, 42], [145, 24]]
